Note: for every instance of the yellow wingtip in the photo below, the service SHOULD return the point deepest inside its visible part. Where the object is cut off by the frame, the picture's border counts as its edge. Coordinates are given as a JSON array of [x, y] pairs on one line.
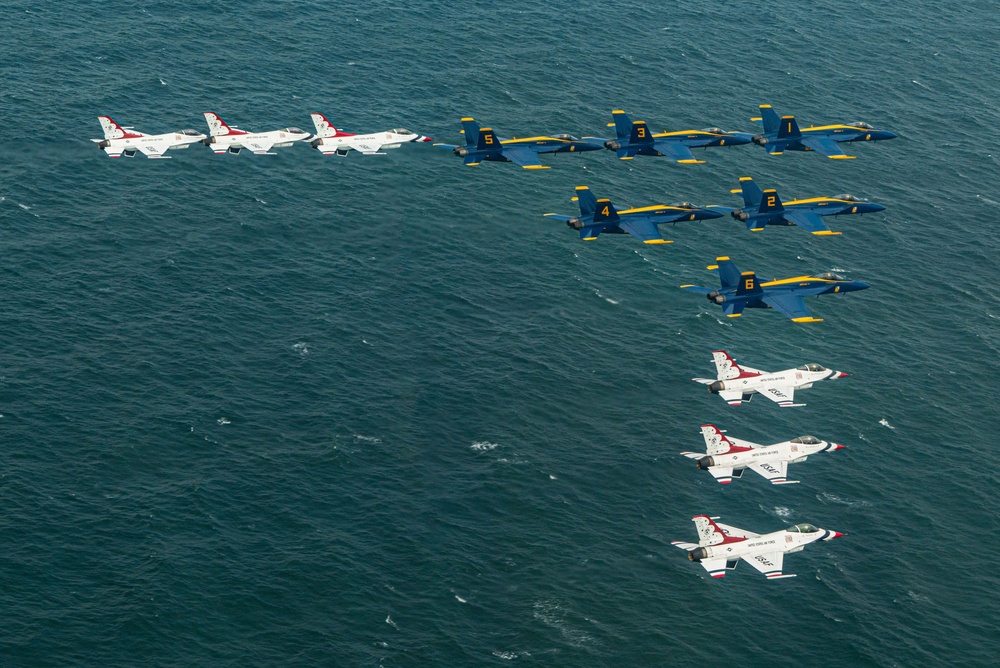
[[657, 241], [691, 162], [611, 125], [842, 157], [826, 233], [733, 315], [756, 118], [712, 267], [617, 111], [627, 157], [589, 238], [471, 164], [582, 188], [745, 178], [574, 199], [468, 118], [537, 167], [807, 319], [764, 106], [722, 258]]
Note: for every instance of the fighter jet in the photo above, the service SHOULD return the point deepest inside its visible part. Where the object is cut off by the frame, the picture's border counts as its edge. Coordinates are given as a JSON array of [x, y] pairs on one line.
[[721, 546], [635, 138], [741, 290], [727, 458], [330, 140], [482, 144], [761, 208], [737, 384], [783, 134], [126, 141], [599, 215], [227, 138]]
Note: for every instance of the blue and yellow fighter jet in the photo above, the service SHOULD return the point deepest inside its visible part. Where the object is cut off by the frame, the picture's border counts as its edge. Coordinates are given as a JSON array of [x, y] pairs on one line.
[[599, 216], [635, 138], [761, 208], [482, 144], [743, 290], [783, 134]]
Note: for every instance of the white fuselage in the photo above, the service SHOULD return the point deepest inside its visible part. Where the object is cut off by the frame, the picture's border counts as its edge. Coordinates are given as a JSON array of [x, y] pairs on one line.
[[769, 543], [369, 143], [796, 378], [151, 145], [258, 142], [785, 451]]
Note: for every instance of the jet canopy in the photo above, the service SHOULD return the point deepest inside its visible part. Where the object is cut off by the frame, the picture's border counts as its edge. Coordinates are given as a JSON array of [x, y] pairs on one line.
[[683, 205], [402, 131], [803, 528], [715, 131], [294, 130], [806, 440], [850, 198], [566, 137], [191, 133], [812, 366], [862, 125], [830, 276]]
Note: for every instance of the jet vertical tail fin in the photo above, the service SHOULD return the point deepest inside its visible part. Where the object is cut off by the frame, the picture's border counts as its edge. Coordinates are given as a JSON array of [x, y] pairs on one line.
[[587, 201], [752, 194], [729, 273], [788, 128], [488, 140], [770, 202], [471, 130], [114, 131], [640, 133], [748, 285], [324, 128], [217, 126], [769, 118], [727, 368], [623, 124], [605, 211], [710, 533]]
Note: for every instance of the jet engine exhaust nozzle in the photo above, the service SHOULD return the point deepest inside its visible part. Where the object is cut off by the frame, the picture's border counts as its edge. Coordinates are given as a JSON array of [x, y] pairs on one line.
[[104, 144], [760, 140], [208, 141], [461, 152], [698, 554], [740, 214], [316, 143], [575, 223], [715, 297], [612, 145], [705, 462], [716, 387]]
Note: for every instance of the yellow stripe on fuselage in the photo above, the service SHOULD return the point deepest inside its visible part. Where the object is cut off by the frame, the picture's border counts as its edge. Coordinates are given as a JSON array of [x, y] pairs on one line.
[[816, 200], [520, 140], [836, 126], [797, 279], [655, 207], [681, 133]]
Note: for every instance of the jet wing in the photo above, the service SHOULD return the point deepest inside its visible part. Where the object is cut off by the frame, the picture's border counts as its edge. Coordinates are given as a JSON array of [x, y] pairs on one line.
[[259, 146], [783, 396], [807, 220], [717, 567], [368, 147], [791, 305], [644, 230], [677, 151], [775, 472], [826, 146], [733, 397], [152, 150], [733, 309], [769, 564], [723, 475], [524, 157]]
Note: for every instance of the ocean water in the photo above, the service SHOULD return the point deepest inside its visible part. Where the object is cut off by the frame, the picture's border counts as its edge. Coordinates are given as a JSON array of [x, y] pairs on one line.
[[297, 410]]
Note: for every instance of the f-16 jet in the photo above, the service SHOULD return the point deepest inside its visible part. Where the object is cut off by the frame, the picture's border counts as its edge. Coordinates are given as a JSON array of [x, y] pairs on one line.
[[227, 138], [727, 458], [330, 140], [741, 290], [119, 141], [635, 138], [762, 208], [721, 546], [483, 144], [737, 384], [783, 134], [599, 216]]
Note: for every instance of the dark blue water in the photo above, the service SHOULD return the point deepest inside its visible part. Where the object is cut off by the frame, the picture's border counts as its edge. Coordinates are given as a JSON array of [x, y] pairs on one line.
[[296, 410]]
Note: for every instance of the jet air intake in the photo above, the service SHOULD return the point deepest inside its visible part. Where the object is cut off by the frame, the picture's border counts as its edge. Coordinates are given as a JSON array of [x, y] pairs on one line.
[[716, 387], [760, 140]]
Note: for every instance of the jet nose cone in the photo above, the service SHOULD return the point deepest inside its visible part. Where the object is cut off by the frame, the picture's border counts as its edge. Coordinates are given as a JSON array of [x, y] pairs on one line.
[[834, 534], [885, 134], [708, 214], [859, 285], [837, 446], [427, 139], [841, 374], [873, 207]]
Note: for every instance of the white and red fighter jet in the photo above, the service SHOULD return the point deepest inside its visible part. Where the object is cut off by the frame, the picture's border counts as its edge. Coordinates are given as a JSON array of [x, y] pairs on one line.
[[330, 140], [228, 138], [727, 457], [737, 384], [119, 141], [720, 546]]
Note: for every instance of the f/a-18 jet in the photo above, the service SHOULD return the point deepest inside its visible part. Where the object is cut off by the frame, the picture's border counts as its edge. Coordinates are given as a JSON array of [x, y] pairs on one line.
[[228, 138], [483, 144], [783, 134], [635, 138], [741, 290], [727, 458], [599, 216], [721, 546], [331, 140], [119, 141], [737, 384], [762, 208]]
